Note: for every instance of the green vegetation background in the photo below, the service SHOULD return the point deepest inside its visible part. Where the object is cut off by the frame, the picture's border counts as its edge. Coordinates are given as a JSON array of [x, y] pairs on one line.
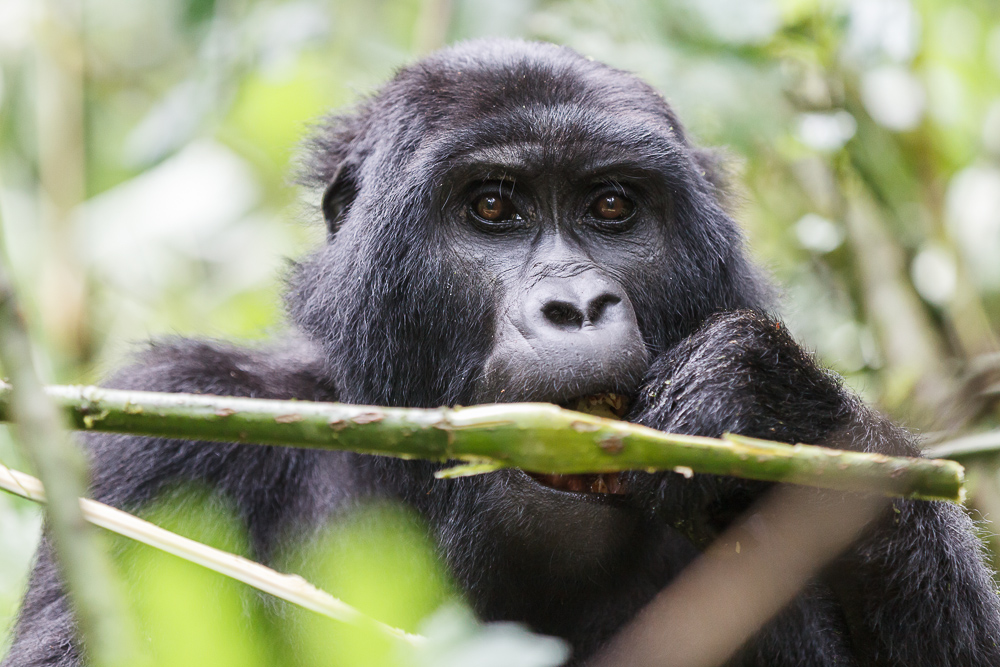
[[146, 150]]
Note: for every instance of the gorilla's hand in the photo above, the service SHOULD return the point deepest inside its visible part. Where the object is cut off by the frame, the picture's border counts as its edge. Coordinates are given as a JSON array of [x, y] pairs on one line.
[[741, 372]]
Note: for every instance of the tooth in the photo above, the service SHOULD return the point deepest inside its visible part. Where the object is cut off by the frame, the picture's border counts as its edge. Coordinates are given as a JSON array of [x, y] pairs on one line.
[[613, 483], [599, 485]]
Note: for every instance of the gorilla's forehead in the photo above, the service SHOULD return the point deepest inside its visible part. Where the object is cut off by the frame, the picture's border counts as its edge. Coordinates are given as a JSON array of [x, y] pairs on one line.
[[571, 136], [552, 141]]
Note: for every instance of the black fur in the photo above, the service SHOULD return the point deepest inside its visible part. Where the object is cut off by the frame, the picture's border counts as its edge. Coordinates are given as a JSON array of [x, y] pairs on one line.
[[412, 302]]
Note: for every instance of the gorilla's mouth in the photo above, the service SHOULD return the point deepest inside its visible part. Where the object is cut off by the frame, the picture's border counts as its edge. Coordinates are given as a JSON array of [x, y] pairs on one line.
[[608, 483], [611, 406]]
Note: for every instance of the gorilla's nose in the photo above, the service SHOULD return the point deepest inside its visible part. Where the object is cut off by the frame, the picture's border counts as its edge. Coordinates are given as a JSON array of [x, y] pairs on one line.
[[571, 315], [586, 303]]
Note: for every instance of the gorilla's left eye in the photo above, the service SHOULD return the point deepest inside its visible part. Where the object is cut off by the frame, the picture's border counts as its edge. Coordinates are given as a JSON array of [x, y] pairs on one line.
[[612, 207], [494, 209]]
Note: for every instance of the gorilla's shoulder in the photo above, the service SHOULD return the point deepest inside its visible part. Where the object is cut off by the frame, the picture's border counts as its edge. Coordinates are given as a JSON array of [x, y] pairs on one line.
[[282, 369]]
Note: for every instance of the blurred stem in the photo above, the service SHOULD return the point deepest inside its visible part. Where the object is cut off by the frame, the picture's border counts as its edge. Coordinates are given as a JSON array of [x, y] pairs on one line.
[[536, 437], [741, 581], [431, 28], [965, 314], [84, 565], [61, 169], [915, 370]]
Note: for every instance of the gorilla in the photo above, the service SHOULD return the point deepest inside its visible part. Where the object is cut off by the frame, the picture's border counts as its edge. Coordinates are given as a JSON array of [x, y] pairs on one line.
[[511, 221]]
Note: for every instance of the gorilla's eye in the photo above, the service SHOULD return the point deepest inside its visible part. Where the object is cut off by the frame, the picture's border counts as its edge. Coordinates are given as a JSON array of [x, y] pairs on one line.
[[612, 207], [494, 208]]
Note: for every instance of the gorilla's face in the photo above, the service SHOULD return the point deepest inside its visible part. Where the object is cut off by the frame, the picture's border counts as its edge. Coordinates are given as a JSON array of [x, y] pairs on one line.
[[558, 232]]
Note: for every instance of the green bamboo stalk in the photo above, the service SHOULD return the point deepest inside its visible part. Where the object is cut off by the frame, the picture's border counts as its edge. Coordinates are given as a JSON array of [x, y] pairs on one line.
[[535, 437]]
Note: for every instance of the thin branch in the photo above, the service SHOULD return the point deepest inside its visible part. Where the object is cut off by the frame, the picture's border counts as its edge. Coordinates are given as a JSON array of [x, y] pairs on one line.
[[38, 428], [979, 444], [532, 436], [289, 587]]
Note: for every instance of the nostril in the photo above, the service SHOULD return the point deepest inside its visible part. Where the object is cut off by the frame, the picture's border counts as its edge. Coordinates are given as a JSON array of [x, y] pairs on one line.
[[599, 306], [563, 314]]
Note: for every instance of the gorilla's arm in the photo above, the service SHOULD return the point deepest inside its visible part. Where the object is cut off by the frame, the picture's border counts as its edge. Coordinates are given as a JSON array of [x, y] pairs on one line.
[[914, 590], [271, 488]]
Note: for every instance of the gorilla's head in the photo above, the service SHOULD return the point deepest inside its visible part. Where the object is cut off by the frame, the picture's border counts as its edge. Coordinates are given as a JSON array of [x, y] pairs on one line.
[[511, 221]]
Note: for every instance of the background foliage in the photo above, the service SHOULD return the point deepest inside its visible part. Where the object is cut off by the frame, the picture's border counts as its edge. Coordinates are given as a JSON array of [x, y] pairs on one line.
[[145, 152]]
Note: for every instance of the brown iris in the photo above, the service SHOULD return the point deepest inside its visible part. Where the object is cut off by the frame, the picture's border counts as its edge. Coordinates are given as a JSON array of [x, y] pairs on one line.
[[494, 208], [611, 207]]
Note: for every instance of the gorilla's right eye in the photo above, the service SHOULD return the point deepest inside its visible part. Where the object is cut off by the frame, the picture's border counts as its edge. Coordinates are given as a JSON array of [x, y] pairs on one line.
[[494, 208]]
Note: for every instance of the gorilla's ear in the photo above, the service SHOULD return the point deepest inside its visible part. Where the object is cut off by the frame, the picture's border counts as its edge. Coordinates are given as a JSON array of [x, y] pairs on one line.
[[714, 165], [330, 162], [339, 195], [717, 167]]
